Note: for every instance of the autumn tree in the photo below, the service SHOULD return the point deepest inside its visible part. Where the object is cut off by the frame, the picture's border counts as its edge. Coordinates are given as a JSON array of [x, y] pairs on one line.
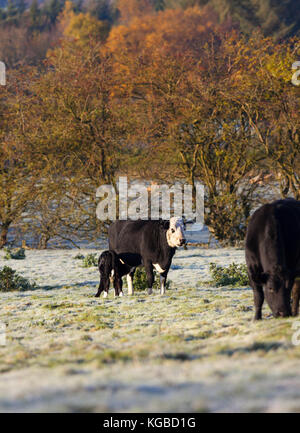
[[82, 27], [271, 104], [58, 212], [130, 9], [185, 69], [81, 129], [214, 139], [273, 17], [153, 55], [19, 173]]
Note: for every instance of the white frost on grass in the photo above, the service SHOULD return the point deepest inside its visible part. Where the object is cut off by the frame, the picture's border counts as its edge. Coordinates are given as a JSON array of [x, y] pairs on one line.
[[195, 349]]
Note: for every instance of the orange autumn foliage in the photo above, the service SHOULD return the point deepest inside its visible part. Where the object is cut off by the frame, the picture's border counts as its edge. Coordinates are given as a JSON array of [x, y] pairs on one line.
[[172, 31], [130, 9]]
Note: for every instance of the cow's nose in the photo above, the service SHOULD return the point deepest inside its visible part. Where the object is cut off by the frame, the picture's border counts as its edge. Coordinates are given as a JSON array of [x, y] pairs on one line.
[[182, 242], [281, 314]]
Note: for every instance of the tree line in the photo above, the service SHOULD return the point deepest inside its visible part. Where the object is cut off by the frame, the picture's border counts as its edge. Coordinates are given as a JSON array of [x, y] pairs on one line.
[[165, 94]]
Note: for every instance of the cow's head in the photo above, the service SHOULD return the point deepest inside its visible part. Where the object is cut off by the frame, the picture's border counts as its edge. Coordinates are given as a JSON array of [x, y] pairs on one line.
[[106, 265], [277, 292], [176, 232]]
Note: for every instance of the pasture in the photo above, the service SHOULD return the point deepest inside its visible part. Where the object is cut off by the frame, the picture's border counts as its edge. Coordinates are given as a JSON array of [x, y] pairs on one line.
[[194, 349]]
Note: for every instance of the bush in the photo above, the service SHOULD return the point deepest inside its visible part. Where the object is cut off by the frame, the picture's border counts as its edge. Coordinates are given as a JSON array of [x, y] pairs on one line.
[[78, 257], [140, 280], [18, 254], [232, 275], [10, 281], [90, 260], [228, 215]]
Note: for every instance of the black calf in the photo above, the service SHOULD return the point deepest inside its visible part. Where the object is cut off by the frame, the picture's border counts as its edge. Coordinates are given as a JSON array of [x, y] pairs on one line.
[[110, 265]]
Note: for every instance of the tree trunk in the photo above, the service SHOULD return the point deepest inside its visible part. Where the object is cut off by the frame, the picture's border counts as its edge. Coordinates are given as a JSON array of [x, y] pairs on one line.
[[3, 234], [43, 242]]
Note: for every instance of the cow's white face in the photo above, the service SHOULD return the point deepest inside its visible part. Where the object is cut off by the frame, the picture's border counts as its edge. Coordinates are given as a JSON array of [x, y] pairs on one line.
[[176, 233]]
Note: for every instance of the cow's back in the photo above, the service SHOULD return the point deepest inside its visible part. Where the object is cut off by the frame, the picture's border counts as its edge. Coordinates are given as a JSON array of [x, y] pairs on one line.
[[136, 237], [273, 235], [287, 213]]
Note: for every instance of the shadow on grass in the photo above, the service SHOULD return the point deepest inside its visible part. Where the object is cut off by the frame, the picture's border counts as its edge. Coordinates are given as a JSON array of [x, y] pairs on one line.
[[180, 356], [266, 347], [90, 284]]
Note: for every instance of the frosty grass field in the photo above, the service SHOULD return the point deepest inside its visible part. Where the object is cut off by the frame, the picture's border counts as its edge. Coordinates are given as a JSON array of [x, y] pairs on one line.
[[195, 349]]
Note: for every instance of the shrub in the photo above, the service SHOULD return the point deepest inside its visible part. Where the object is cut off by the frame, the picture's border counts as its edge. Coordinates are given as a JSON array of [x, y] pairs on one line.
[[18, 254], [10, 280], [78, 257], [140, 280], [90, 260], [232, 275]]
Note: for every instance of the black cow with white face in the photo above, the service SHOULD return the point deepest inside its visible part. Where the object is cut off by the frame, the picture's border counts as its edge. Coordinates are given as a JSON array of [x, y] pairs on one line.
[[150, 243], [273, 257]]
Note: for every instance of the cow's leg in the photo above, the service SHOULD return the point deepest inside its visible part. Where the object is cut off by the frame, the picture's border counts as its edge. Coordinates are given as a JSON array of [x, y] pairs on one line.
[[163, 280], [295, 297], [118, 286], [150, 276], [103, 286], [100, 290], [254, 273], [106, 287], [121, 287], [129, 278], [162, 276], [129, 284], [258, 300], [107, 281]]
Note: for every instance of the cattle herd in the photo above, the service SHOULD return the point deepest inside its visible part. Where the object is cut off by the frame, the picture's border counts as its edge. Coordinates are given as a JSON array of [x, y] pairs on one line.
[[272, 255]]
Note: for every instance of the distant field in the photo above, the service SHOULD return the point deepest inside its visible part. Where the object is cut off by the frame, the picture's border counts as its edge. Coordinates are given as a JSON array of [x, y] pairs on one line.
[[195, 349]]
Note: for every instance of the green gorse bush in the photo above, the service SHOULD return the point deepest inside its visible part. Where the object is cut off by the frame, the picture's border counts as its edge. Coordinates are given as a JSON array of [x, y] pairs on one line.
[[78, 257], [11, 281], [17, 254], [232, 275], [140, 280], [90, 260]]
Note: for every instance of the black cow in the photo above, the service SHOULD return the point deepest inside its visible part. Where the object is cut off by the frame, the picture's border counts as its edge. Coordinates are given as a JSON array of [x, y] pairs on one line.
[[110, 265], [273, 257], [150, 243]]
